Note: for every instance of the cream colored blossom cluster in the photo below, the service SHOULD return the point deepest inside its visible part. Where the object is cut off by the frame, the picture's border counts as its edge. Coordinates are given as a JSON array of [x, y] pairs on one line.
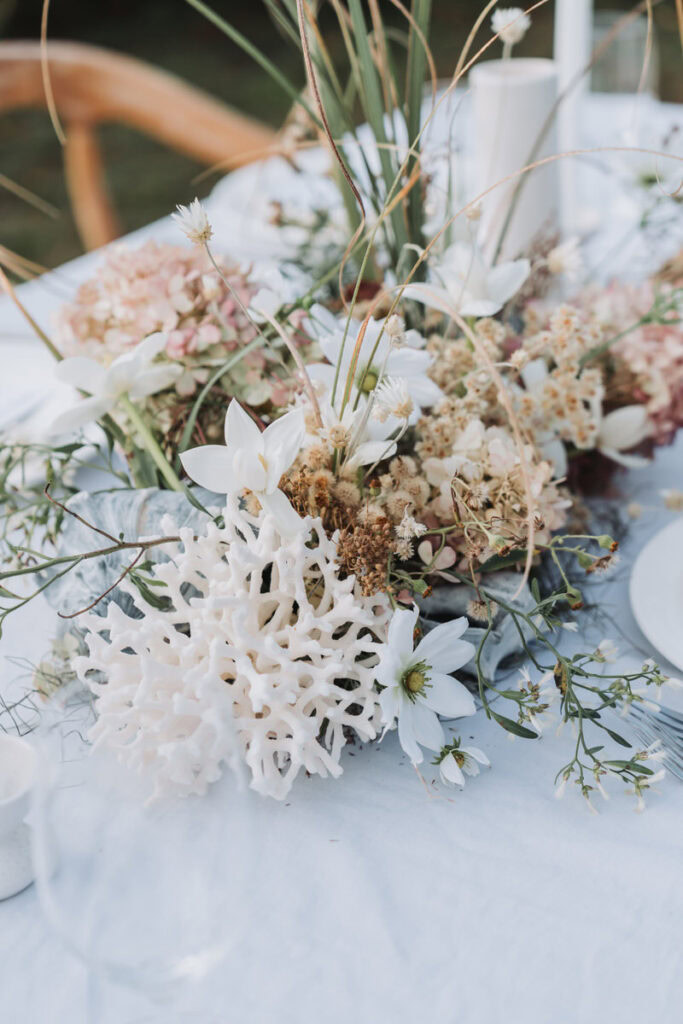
[[481, 486], [561, 397]]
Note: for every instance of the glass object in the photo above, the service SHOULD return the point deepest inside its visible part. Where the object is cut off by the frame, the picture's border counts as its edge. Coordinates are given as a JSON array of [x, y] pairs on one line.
[[620, 66], [145, 893]]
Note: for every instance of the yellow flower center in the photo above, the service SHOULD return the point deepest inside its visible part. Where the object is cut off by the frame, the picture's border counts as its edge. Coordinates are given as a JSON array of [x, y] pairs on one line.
[[369, 381], [415, 680]]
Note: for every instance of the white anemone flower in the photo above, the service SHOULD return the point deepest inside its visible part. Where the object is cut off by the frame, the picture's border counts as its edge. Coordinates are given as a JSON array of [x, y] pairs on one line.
[[468, 285], [511, 24], [459, 762], [409, 362], [417, 684], [621, 430], [193, 222], [132, 374], [251, 460]]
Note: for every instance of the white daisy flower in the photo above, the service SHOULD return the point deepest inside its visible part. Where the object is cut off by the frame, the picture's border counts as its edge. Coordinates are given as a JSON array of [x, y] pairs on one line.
[[379, 357], [417, 687]]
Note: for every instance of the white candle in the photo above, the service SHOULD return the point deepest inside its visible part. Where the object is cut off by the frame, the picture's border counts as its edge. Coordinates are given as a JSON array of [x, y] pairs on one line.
[[573, 47], [512, 102]]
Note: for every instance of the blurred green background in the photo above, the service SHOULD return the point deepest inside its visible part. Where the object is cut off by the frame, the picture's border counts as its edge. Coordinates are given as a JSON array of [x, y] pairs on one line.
[[146, 179]]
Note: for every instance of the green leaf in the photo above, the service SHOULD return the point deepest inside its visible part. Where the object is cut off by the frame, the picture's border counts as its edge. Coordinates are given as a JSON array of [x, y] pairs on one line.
[[415, 79], [514, 727], [155, 600], [374, 112], [617, 738], [631, 766], [256, 55], [503, 561]]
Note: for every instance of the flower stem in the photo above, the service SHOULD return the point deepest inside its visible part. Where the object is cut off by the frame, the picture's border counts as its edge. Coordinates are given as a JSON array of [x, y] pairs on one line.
[[152, 445]]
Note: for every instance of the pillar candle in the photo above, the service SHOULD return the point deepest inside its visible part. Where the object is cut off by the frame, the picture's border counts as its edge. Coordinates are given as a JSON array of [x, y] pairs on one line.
[[512, 100], [573, 46]]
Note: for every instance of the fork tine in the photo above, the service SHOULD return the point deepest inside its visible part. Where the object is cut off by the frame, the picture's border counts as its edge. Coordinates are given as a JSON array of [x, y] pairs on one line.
[[664, 717], [671, 762]]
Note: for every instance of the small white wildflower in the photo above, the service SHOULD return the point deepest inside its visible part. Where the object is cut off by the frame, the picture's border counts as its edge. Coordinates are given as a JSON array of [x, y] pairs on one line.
[[571, 627], [559, 791], [591, 807], [511, 24], [673, 500], [607, 651], [566, 259], [655, 752], [634, 510], [601, 790], [193, 222], [392, 399], [461, 761], [409, 527]]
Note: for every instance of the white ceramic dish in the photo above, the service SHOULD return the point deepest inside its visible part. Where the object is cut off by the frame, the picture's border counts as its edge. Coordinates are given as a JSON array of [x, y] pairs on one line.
[[17, 778], [656, 592]]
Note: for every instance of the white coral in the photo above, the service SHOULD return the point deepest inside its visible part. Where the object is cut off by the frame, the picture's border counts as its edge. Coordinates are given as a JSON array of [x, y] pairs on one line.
[[263, 639]]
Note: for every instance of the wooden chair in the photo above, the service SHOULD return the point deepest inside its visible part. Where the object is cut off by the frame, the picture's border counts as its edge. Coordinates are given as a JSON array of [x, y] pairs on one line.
[[92, 86]]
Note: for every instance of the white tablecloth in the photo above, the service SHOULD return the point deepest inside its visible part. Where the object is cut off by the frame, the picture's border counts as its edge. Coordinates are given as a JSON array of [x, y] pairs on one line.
[[501, 903]]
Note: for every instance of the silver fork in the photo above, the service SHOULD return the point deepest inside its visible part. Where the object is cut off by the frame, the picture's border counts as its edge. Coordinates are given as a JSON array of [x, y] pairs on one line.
[[665, 726]]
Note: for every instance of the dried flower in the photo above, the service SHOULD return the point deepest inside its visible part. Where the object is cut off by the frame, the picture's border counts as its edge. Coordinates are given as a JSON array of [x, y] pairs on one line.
[[566, 259], [392, 399], [511, 24], [193, 222]]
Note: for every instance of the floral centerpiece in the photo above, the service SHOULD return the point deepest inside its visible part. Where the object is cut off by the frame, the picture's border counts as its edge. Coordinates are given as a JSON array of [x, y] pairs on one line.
[[355, 480]]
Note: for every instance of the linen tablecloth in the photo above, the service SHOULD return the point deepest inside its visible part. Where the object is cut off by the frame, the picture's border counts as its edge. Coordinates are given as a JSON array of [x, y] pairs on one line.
[[499, 903]]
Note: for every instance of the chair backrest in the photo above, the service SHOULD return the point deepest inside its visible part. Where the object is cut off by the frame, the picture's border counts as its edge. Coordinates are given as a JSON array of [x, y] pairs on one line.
[[92, 86]]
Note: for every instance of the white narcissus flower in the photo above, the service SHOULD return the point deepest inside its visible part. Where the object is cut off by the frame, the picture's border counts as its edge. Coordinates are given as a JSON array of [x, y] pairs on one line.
[[511, 24], [408, 363], [459, 761], [251, 460], [193, 222], [623, 429], [417, 684], [132, 374], [468, 285]]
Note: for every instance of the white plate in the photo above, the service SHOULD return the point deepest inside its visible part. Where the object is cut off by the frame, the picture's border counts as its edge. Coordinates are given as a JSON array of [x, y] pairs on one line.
[[657, 592]]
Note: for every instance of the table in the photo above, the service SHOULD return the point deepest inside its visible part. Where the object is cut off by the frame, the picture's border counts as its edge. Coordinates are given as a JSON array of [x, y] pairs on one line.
[[500, 904]]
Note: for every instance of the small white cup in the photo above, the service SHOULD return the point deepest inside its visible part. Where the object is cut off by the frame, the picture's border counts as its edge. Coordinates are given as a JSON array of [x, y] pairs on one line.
[[17, 778]]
